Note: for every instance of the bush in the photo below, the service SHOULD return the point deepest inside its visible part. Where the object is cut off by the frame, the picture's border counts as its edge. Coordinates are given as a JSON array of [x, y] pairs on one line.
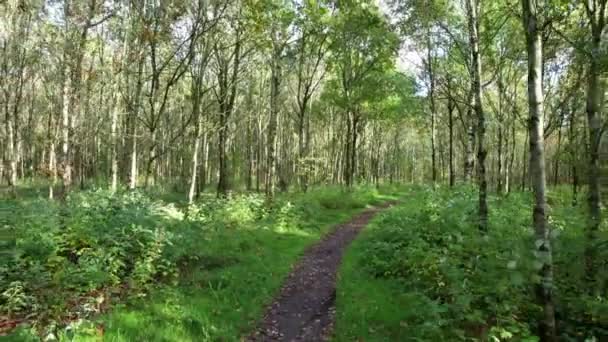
[[70, 260], [483, 283], [63, 255]]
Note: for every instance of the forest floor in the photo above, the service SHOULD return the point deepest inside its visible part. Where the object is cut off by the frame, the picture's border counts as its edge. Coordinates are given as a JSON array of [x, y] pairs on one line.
[[178, 272], [146, 266], [304, 310]]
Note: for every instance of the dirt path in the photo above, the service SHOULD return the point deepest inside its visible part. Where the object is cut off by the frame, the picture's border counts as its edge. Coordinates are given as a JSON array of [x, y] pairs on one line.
[[304, 308]]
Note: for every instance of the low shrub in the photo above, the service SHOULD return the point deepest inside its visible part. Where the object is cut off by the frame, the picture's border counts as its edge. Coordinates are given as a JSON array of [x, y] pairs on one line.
[[483, 284], [73, 260]]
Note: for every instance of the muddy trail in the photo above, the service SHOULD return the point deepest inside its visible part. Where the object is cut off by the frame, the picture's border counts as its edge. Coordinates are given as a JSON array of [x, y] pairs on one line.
[[304, 308]]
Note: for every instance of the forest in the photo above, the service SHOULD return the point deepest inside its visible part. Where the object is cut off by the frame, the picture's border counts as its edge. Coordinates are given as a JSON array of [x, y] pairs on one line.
[[303, 170]]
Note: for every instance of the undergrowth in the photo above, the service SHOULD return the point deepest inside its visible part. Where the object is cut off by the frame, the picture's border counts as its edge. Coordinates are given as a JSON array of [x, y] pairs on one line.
[[127, 267], [423, 272]]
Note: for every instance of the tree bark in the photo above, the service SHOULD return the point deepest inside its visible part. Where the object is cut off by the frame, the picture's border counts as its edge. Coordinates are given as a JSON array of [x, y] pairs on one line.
[[348, 144], [429, 63], [10, 154], [194, 167], [196, 114], [473, 11], [543, 252], [573, 155], [558, 152], [596, 12], [451, 106], [353, 151], [227, 82], [275, 82], [509, 175], [223, 185], [66, 164], [469, 161]]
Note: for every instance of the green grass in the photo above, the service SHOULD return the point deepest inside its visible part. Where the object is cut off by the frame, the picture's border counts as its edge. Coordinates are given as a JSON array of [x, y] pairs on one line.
[[372, 308], [223, 302], [229, 260]]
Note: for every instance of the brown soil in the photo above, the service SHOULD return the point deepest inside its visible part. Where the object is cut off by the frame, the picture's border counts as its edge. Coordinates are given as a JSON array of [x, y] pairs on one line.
[[304, 308]]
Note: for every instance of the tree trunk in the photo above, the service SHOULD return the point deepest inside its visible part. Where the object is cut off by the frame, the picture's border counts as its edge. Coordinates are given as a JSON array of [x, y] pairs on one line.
[[596, 11], [227, 76], [250, 156], [133, 159], [451, 106], [10, 154], [499, 160], [544, 290], [223, 184], [558, 152], [272, 123], [473, 10], [203, 169], [195, 153], [258, 155], [509, 176], [66, 163], [302, 151], [524, 171], [150, 163], [197, 137], [432, 105], [573, 156], [353, 151], [114, 139], [469, 161], [348, 144]]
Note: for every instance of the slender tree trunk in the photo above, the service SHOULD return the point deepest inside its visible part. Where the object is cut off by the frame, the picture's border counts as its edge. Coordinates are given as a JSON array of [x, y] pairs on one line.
[[353, 151], [114, 138], [597, 15], [258, 155], [10, 154], [348, 144], [544, 290], [573, 156], [204, 166], [132, 133], [250, 156], [52, 157], [133, 159], [223, 184], [195, 153], [469, 161], [302, 151], [509, 176], [227, 82], [197, 136], [307, 144], [151, 162], [524, 171], [451, 106], [432, 105], [272, 124], [558, 152], [66, 163], [499, 159], [473, 10]]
